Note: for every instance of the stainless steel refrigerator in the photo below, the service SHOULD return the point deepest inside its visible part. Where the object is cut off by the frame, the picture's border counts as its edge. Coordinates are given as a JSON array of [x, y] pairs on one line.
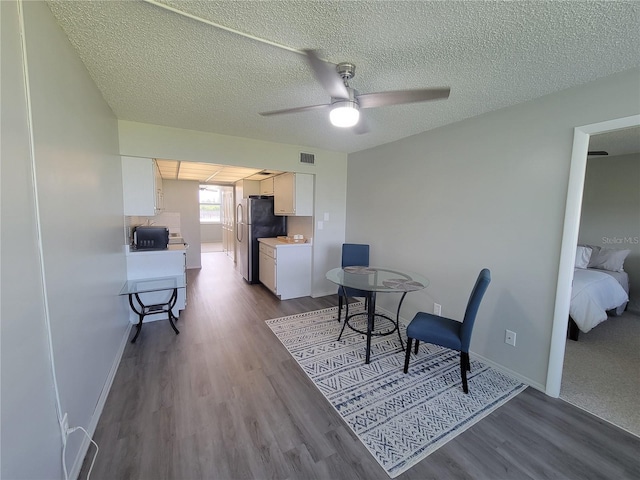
[[255, 219]]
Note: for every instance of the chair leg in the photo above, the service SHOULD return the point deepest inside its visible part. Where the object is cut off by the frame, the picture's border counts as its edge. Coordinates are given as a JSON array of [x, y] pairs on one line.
[[417, 343], [464, 362], [408, 354], [339, 305]]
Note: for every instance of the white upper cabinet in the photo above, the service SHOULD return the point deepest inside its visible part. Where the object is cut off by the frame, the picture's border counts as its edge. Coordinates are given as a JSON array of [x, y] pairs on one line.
[[266, 186], [141, 187], [244, 188], [293, 194]]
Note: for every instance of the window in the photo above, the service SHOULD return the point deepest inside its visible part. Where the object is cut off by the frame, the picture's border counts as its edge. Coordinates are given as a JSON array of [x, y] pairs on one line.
[[210, 201]]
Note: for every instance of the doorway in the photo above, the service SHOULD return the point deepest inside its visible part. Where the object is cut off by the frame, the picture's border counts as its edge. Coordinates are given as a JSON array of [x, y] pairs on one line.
[[600, 371], [569, 243]]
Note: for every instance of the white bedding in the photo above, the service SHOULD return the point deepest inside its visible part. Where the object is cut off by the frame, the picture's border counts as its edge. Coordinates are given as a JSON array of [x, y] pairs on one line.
[[593, 293]]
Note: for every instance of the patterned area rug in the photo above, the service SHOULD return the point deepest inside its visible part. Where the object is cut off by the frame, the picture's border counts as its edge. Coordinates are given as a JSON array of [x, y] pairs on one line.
[[400, 418]]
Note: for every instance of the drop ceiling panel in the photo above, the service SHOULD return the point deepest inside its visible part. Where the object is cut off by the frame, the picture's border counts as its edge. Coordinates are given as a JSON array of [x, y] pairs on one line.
[[206, 172]]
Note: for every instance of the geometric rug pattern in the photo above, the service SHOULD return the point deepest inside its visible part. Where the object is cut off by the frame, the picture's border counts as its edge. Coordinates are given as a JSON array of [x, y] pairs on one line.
[[401, 419]]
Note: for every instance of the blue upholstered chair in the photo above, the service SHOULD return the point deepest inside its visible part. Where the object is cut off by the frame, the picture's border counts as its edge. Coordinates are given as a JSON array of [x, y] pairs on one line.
[[353, 255], [447, 332]]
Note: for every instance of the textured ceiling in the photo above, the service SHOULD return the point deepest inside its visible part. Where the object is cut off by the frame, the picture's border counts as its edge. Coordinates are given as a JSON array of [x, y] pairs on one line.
[[158, 67]]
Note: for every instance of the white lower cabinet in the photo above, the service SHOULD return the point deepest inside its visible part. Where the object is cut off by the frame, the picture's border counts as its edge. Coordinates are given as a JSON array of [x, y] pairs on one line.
[[267, 267], [285, 269]]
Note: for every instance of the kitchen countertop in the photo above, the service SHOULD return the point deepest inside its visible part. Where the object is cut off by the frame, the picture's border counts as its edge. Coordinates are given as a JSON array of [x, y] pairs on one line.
[[274, 242], [171, 248]]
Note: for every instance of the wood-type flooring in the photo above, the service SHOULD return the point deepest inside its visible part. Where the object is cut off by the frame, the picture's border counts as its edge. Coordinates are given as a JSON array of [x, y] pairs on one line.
[[224, 400]]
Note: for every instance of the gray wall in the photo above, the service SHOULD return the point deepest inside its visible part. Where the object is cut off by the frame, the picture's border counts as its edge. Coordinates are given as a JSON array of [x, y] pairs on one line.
[[611, 212], [30, 435], [76, 286], [486, 192], [182, 196]]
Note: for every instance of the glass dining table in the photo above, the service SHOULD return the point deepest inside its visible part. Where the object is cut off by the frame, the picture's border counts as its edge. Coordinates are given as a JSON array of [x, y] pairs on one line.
[[134, 288], [374, 280]]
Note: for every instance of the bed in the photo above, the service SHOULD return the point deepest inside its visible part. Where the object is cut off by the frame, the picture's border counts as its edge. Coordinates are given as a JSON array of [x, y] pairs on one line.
[[600, 288]]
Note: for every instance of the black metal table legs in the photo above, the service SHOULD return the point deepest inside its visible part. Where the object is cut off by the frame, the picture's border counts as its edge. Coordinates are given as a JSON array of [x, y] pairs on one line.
[[371, 317], [145, 310]]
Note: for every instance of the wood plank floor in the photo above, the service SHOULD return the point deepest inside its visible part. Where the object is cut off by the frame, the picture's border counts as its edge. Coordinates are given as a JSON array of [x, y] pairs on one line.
[[224, 400]]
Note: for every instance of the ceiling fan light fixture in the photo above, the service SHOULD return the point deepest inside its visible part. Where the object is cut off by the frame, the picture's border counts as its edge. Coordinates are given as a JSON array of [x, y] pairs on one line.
[[344, 114]]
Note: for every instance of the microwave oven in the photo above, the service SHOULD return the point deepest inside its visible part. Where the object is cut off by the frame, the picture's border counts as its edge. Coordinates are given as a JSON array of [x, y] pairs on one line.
[[150, 238]]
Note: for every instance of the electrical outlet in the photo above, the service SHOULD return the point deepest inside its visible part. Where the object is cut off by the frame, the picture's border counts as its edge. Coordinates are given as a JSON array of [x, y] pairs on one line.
[[437, 309], [510, 337]]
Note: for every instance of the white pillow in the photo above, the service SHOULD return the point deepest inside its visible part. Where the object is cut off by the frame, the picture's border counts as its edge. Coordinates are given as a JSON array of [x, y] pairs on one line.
[[610, 259], [583, 255], [595, 249]]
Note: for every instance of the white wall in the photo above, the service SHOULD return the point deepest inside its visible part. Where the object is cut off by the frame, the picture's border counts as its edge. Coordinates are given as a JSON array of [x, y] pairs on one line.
[[611, 212], [182, 196], [79, 195], [486, 192], [211, 232], [302, 225], [138, 139]]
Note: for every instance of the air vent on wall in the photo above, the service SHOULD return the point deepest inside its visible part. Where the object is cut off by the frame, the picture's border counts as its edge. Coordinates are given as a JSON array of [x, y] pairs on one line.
[[308, 158]]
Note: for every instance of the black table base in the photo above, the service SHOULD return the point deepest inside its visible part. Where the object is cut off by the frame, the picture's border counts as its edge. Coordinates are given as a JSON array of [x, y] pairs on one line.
[[371, 319], [145, 310]]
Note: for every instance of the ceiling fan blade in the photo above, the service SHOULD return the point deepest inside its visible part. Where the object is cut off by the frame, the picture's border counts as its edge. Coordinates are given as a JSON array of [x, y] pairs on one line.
[[397, 97], [327, 75], [598, 152], [294, 110], [362, 126]]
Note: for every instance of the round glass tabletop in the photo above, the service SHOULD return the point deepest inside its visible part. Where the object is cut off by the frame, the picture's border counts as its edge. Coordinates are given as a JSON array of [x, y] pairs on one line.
[[378, 279]]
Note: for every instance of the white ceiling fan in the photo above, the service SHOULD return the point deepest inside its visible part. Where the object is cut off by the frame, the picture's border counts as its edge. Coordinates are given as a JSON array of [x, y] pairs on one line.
[[346, 102]]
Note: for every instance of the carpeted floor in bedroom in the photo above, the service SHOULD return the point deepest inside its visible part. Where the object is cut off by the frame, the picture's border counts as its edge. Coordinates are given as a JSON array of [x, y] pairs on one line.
[[601, 371]]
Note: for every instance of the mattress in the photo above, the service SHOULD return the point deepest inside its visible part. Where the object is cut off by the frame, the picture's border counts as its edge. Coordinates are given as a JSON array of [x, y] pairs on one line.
[[593, 293]]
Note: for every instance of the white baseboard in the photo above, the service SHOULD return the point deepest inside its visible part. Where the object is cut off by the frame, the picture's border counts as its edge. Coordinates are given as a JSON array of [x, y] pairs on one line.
[[511, 373], [91, 429], [491, 363], [324, 294]]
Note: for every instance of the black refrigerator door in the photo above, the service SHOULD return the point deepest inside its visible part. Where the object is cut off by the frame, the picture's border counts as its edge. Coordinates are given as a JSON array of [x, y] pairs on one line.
[[260, 212], [263, 224]]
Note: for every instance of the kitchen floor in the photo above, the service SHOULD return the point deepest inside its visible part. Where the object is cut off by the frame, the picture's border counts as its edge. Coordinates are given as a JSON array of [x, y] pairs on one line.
[[211, 247]]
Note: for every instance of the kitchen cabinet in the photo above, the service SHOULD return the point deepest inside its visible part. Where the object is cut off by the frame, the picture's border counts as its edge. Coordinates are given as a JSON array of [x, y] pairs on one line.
[[293, 194], [157, 264], [244, 188], [141, 187], [285, 268], [158, 188], [267, 267], [266, 186]]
